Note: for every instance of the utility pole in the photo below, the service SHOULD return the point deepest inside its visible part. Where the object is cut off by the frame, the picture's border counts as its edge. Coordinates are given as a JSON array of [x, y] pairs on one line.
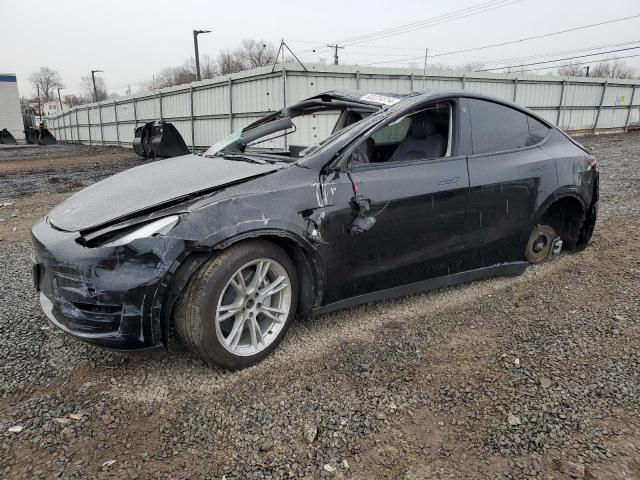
[[283, 45], [60, 99], [424, 70], [335, 46], [39, 105], [93, 79], [587, 68], [195, 47]]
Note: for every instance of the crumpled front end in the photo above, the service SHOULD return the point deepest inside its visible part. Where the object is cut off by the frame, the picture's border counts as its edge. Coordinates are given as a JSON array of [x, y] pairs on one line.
[[110, 296]]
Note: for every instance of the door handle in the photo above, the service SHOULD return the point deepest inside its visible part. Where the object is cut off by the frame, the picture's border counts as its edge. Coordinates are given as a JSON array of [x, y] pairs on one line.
[[449, 181]]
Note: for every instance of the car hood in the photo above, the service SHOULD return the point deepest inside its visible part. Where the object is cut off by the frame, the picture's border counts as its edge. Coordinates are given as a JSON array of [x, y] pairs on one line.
[[149, 186]]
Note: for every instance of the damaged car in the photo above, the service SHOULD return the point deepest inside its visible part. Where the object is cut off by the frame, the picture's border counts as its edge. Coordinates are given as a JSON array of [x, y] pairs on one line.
[[406, 193]]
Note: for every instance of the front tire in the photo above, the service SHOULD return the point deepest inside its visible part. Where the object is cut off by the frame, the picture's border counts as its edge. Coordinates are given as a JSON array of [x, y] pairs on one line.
[[239, 305]]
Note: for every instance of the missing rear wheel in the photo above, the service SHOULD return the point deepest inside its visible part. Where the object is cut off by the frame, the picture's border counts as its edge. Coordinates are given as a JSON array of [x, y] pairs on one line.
[[540, 243]]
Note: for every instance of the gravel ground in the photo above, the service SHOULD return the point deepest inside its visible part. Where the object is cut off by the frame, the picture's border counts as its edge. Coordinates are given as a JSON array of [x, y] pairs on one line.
[[511, 378], [61, 168], [57, 150]]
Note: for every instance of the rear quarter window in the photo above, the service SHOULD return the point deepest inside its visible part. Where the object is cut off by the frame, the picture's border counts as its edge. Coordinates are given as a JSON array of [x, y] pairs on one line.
[[538, 131], [496, 128]]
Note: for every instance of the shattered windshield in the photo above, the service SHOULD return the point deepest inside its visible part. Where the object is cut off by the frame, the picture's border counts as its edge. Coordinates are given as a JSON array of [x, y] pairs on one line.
[[301, 129], [223, 143]]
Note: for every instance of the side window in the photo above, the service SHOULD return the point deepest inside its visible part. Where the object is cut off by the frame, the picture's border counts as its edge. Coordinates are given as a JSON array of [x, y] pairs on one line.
[[421, 135], [537, 131], [393, 133], [496, 128]]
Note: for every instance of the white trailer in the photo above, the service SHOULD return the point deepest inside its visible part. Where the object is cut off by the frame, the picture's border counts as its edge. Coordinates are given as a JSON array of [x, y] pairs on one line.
[[10, 112]]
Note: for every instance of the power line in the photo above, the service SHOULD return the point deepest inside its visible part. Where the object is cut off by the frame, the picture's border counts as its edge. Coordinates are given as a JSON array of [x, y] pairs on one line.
[[472, 10], [485, 62], [493, 61], [429, 22], [511, 42], [581, 63], [556, 60], [557, 52]]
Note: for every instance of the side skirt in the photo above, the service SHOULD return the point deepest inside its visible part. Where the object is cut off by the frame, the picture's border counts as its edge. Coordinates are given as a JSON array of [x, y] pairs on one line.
[[507, 269]]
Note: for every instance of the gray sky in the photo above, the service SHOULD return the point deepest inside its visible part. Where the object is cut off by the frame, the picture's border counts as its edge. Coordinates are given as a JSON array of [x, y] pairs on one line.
[[131, 40]]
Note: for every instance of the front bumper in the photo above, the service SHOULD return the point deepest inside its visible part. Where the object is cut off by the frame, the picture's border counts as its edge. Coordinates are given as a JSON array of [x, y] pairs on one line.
[[107, 296]]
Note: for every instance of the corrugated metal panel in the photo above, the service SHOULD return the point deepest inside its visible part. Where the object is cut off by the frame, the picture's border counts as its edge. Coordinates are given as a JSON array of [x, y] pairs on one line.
[[582, 95], [125, 112], [126, 133], [261, 90], [108, 113], [300, 87], [612, 117], [176, 105], [95, 133], [549, 115], [148, 109], [212, 101], [94, 115], [381, 84], [184, 127], [539, 94], [312, 128], [84, 134], [437, 84], [208, 131], [577, 119], [110, 134], [618, 95], [500, 90], [326, 83], [259, 95]]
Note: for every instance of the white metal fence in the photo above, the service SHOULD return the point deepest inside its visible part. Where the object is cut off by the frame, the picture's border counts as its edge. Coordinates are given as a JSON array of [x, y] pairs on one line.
[[205, 111]]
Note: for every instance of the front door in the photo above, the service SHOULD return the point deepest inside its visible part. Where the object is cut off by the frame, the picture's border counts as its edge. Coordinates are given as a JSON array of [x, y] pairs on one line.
[[404, 220]]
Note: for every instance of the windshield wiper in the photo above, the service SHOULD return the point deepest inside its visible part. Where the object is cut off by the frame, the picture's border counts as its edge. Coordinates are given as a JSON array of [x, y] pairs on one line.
[[244, 158]]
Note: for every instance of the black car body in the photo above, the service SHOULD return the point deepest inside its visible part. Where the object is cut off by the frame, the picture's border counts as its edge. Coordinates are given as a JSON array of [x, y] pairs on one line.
[[371, 212]]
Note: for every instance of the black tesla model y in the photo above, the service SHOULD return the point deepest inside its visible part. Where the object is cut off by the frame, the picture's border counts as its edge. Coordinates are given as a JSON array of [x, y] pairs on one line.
[[407, 193]]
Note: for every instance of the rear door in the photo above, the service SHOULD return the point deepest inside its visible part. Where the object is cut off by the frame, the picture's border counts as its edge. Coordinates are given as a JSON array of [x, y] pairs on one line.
[[509, 176]]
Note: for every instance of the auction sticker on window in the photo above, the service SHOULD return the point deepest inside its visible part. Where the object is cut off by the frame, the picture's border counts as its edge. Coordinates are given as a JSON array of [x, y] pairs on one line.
[[382, 99]]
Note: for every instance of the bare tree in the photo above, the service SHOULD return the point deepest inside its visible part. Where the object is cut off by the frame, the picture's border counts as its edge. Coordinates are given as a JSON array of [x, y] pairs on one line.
[[228, 63], [46, 79], [571, 70], [74, 100], [255, 53], [613, 69], [208, 66], [170, 76], [250, 54], [185, 73], [100, 94]]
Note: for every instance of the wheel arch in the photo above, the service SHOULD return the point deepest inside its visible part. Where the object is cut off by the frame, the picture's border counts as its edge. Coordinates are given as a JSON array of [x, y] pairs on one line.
[[303, 254], [565, 210]]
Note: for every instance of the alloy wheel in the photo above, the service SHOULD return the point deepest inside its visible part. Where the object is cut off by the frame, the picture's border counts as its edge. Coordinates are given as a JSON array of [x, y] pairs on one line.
[[253, 307]]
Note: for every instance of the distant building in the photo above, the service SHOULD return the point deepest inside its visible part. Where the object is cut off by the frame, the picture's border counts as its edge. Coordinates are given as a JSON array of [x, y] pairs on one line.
[[50, 108], [10, 113]]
